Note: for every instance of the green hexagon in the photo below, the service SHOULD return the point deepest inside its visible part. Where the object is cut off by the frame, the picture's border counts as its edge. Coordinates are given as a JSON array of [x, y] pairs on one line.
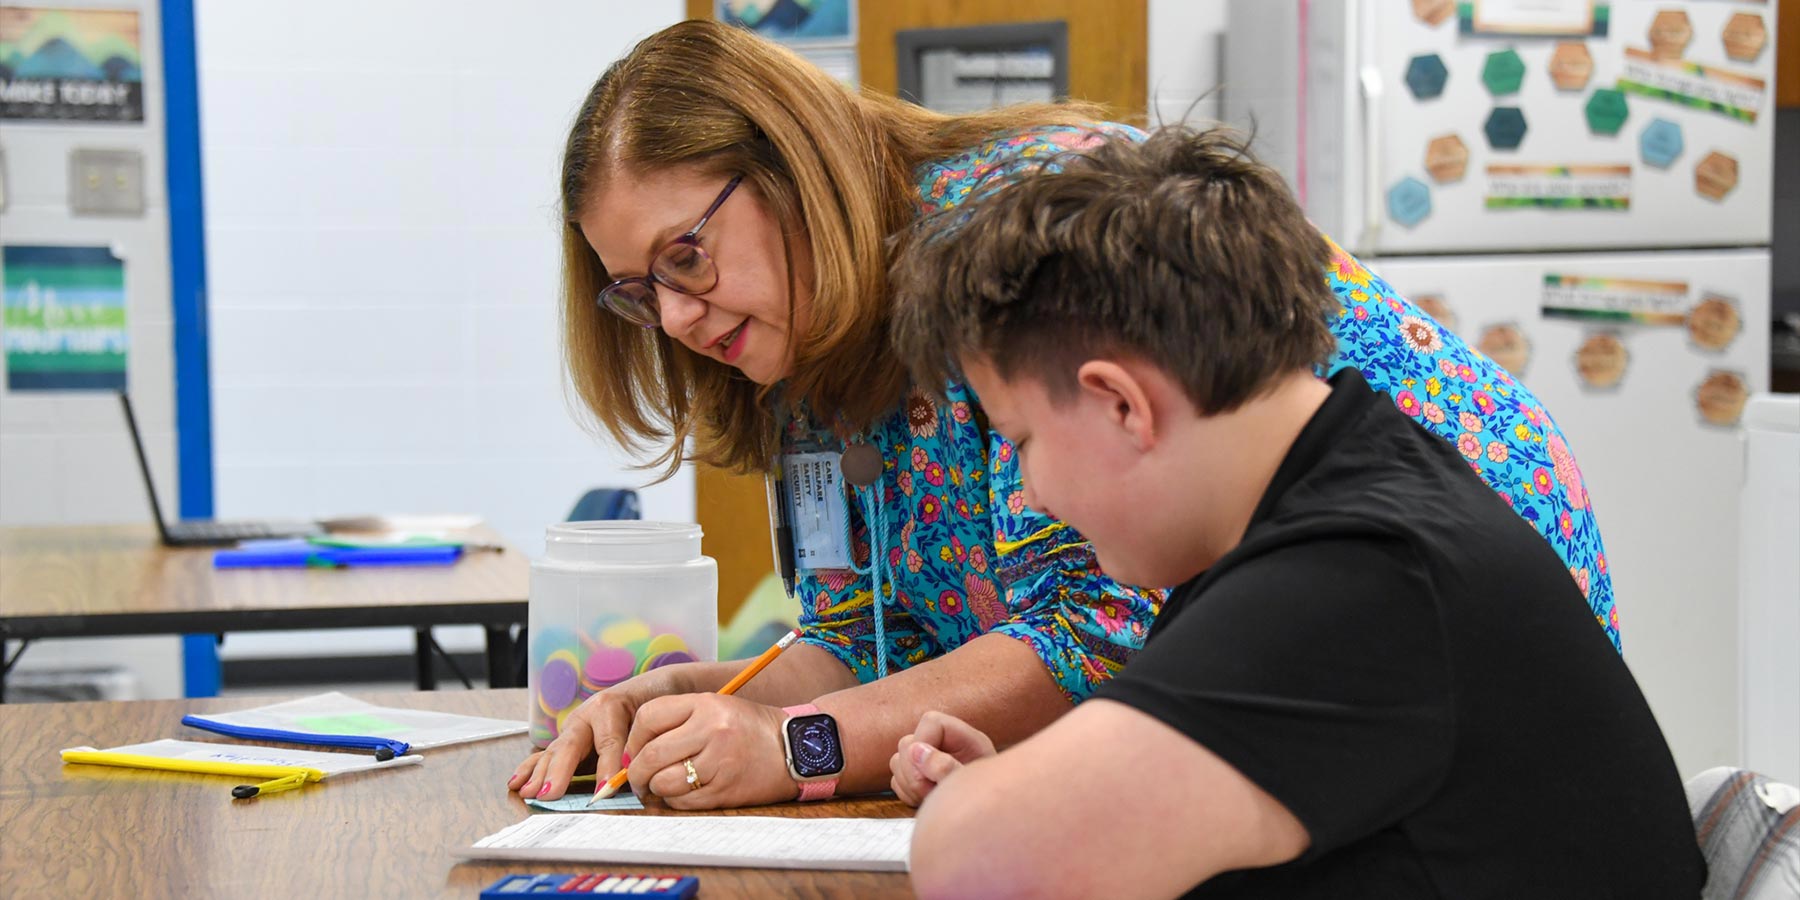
[[1606, 111], [1504, 72]]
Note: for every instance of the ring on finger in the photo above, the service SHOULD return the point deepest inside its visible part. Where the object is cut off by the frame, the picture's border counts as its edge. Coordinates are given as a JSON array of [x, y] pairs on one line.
[[693, 777]]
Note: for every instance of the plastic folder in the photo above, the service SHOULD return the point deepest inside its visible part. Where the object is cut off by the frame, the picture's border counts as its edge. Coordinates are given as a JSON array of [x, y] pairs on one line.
[[346, 723], [302, 554]]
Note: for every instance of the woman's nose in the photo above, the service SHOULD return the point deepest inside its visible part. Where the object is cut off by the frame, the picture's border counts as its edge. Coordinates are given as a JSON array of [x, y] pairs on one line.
[[680, 312]]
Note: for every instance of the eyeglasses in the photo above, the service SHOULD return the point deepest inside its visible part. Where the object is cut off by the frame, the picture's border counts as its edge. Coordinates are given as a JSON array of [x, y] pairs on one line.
[[681, 265]]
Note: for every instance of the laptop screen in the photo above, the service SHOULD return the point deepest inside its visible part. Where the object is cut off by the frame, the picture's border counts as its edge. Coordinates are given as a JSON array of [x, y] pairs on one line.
[[137, 443]]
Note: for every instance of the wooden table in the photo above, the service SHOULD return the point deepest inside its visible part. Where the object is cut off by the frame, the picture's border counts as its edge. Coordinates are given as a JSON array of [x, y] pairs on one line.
[[96, 831], [90, 581]]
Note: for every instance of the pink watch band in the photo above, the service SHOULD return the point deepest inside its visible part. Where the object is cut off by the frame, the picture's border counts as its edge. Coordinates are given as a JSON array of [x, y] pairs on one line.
[[824, 788]]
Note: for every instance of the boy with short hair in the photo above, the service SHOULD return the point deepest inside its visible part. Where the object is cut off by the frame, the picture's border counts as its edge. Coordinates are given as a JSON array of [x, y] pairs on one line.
[[1375, 679]]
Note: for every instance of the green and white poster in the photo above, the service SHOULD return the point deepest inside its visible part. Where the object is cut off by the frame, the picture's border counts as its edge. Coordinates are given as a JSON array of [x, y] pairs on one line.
[[82, 65], [64, 319]]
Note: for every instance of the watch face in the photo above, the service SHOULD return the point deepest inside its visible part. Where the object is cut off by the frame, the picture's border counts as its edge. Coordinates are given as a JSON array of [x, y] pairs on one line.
[[813, 744]]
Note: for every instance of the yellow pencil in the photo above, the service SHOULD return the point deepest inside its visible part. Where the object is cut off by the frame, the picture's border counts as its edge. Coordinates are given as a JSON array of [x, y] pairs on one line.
[[756, 665]]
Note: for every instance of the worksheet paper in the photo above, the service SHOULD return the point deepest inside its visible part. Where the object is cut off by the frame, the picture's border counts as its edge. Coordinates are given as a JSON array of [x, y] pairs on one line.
[[757, 842]]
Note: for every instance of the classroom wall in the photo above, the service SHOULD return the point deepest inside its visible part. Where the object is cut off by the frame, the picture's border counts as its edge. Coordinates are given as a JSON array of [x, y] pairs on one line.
[[382, 227], [65, 457], [382, 248], [1185, 44]]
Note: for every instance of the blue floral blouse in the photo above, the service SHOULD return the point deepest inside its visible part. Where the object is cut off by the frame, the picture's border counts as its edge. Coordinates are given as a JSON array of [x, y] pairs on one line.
[[958, 553]]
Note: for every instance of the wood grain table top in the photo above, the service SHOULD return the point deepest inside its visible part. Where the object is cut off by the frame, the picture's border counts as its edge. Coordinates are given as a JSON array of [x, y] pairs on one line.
[[118, 579], [98, 831]]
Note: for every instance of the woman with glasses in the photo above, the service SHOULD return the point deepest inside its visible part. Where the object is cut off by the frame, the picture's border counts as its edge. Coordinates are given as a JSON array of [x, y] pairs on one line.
[[729, 210]]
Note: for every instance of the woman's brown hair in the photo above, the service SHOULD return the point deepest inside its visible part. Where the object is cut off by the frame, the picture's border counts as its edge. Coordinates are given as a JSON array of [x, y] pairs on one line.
[[837, 169]]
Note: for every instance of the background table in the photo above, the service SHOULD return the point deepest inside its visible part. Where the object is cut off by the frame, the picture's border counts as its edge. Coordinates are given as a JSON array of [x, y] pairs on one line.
[[98, 831], [96, 581]]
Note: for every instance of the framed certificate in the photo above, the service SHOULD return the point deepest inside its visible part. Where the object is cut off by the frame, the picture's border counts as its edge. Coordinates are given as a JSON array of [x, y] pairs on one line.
[[1534, 18]]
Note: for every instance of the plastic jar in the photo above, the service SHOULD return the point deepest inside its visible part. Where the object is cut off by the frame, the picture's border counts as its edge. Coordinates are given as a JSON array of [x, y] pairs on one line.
[[610, 600]]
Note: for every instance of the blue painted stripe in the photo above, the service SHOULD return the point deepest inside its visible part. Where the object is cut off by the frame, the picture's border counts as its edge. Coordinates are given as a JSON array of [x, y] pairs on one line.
[[187, 281]]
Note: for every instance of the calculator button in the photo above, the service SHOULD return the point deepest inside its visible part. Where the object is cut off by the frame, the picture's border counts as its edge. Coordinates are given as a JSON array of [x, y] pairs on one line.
[[644, 886], [624, 887], [666, 883], [605, 887]]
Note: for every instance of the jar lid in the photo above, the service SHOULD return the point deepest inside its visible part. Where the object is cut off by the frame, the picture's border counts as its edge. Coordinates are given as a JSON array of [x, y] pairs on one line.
[[621, 531]]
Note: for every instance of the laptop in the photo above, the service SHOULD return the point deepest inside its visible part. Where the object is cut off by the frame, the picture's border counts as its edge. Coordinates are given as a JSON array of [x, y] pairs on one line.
[[206, 532]]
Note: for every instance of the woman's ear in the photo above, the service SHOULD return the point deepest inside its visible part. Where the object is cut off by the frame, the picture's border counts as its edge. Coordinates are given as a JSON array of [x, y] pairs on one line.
[[1122, 397]]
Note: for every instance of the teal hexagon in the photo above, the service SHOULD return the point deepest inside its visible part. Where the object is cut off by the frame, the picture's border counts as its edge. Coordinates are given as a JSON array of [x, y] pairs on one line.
[[1661, 143], [1409, 201], [1425, 76], [1504, 72], [1606, 111], [1505, 128]]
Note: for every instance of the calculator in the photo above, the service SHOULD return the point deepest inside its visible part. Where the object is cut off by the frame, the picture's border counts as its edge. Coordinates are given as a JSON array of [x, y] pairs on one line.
[[602, 884]]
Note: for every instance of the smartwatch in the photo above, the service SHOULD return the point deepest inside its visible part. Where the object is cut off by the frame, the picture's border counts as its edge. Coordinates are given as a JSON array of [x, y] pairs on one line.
[[815, 756]]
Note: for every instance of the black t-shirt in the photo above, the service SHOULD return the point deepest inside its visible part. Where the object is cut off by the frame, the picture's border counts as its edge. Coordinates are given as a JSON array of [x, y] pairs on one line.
[[1408, 667]]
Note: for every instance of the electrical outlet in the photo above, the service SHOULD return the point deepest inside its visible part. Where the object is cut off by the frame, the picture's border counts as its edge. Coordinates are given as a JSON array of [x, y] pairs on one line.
[[106, 182]]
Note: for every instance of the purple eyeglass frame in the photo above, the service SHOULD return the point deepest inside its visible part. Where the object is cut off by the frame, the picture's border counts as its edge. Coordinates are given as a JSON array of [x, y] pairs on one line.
[[650, 280]]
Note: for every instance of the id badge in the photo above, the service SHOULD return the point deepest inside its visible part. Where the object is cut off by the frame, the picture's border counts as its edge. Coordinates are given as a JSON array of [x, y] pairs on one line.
[[818, 512]]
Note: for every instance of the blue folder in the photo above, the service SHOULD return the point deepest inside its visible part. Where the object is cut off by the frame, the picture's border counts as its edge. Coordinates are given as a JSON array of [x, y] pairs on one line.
[[302, 554]]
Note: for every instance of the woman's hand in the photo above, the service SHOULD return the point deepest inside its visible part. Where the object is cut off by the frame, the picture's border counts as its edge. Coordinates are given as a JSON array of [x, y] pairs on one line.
[[733, 744], [597, 727], [939, 746]]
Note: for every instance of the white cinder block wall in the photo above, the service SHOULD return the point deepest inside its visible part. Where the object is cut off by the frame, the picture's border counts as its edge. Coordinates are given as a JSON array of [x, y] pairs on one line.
[[381, 186], [65, 457], [1184, 45]]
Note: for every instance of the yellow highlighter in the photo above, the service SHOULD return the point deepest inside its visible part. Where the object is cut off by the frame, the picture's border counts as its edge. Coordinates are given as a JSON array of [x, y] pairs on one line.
[[279, 769], [283, 778]]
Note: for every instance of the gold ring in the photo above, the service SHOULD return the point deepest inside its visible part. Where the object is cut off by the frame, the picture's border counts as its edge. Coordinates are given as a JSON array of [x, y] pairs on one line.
[[693, 777]]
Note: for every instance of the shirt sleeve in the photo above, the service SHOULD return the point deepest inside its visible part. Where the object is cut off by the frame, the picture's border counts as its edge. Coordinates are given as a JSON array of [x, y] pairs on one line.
[[1321, 673], [1083, 624], [844, 625]]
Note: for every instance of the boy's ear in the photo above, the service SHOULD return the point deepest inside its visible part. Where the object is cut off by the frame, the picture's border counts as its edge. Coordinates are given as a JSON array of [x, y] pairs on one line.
[[1123, 398]]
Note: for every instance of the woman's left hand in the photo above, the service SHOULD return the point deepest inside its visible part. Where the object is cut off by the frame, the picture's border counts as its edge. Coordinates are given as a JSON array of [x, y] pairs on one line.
[[733, 745]]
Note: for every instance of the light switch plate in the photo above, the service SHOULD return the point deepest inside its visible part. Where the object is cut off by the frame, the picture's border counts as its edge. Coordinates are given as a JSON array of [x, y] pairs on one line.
[[106, 182]]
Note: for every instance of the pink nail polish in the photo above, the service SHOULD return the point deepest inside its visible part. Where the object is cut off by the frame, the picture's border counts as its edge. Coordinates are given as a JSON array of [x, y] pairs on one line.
[[543, 790]]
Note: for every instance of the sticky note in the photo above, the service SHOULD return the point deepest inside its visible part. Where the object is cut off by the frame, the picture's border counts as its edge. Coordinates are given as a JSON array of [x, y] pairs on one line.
[[625, 799], [1716, 175], [1446, 158], [1745, 36], [1409, 201], [1504, 72], [1661, 143], [1571, 66], [1606, 111], [1425, 76], [1433, 12], [1670, 33], [1505, 128]]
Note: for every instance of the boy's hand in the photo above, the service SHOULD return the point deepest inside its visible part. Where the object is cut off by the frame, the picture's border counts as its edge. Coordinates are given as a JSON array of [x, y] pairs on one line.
[[940, 745]]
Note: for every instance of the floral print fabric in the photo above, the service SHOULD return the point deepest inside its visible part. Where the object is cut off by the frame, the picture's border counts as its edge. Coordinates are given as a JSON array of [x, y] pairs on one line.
[[1460, 395]]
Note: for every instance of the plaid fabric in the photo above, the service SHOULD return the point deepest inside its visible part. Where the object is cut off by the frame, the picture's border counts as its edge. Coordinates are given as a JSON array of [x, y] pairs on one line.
[[1749, 831]]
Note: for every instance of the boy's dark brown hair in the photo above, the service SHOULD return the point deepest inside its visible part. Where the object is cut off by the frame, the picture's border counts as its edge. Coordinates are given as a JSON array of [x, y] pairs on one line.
[[1181, 250]]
